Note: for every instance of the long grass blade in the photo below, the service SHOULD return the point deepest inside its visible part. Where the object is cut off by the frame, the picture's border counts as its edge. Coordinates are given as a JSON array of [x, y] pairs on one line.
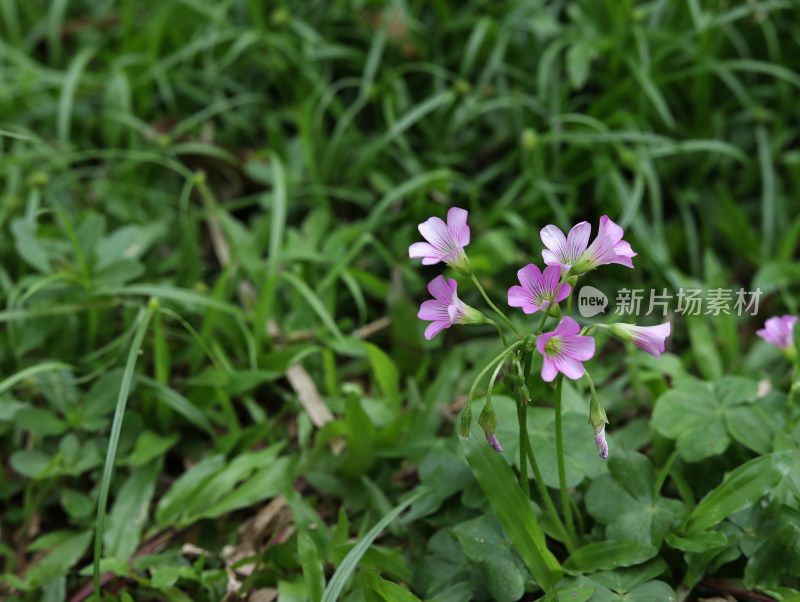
[[116, 428]]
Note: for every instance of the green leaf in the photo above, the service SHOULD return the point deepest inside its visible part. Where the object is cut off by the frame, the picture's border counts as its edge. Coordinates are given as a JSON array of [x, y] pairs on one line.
[[62, 557], [579, 59], [345, 570], [311, 564], [626, 579], [264, 483], [697, 541], [511, 507], [385, 373], [702, 415], [28, 246], [143, 319], [10, 381], [179, 403], [30, 462], [185, 489], [704, 349], [380, 590], [609, 555], [484, 541], [128, 516], [742, 487], [573, 594], [150, 445], [39, 421]]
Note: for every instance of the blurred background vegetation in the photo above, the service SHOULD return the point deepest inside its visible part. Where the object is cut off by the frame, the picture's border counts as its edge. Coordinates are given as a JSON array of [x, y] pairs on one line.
[[261, 167]]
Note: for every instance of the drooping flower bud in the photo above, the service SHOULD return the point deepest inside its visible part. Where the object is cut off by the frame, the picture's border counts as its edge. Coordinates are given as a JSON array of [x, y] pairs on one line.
[[599, 420], [488, 422], [466, 420], [492, 440]]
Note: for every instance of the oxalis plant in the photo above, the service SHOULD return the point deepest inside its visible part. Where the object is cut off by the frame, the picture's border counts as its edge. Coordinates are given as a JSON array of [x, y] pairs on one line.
[[564, 349]]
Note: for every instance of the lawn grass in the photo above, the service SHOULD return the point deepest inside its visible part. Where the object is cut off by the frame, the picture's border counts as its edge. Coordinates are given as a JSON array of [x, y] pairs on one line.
[[206, 210]]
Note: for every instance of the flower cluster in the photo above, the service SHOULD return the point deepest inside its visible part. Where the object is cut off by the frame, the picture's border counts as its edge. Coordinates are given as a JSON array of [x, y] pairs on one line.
[[564, 349]]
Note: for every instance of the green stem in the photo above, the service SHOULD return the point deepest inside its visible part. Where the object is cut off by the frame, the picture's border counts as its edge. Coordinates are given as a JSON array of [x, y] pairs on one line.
[[662, 476], [591, 383], [562, 476], [499, 358], [494, 307], [548, 501], [522, 418], [499, 330]]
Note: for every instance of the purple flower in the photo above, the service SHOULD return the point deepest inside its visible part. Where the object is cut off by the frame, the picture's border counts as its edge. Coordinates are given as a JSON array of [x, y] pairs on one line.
[[779, 331], [538, 289], [492, 439], [649, 338], [446, 242], [446, 309], [600, 441], [564, 251], [571, 252], [564, 349]]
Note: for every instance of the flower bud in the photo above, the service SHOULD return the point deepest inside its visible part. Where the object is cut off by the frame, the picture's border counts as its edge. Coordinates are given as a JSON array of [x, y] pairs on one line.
[[599, 420], [488, 422], [466, 420], [488, 419], [492, 440]]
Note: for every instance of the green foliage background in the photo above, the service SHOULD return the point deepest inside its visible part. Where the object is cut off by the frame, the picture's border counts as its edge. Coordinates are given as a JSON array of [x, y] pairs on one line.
[[260, 169]]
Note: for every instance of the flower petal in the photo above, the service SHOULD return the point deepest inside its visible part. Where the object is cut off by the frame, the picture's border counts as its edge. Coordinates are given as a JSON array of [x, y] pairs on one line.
[[422, 249], [549, 369], [550, 258], [578, 347], [457, 225], [435, 328], [434, 230], [435, 310], [531, 278], [567, 327], [517, 297], [568, 366], [563, 292], [554, 239], [578, 240], [610, 229], [441, 289]]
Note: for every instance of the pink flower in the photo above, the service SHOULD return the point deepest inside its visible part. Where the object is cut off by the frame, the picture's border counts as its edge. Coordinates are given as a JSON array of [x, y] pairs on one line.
[[649, 338], [446, 242], [571, 252], [492, 439], [446, 309], [564, 251], [779, 331], [564, 349], [538, 289]]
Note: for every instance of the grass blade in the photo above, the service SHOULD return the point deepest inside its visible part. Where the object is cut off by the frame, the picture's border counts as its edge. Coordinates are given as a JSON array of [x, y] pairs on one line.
[[512, 508], [116, 428], [742, 488], [12, 380], [350, 561]]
